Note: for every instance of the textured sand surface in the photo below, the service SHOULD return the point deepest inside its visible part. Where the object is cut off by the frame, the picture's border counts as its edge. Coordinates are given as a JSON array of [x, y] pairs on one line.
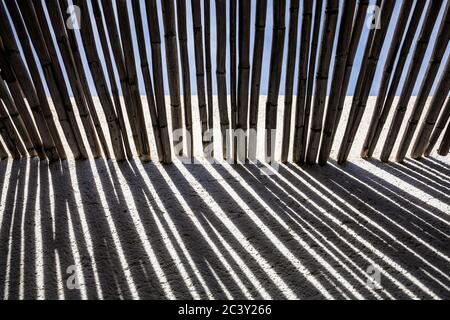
[[133, 230]]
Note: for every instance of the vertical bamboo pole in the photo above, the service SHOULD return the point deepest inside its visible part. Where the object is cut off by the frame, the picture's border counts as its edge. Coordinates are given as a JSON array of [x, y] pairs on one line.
[[406, 46], [3, 153], [243, 80], [440, 126], [444, 148], [207, 18], [221, 24], [155, 39], [258, 51], [11, 132], [417, 59], [200, 67], [7, 138], [276, 64], [432, 114], [342, 51], [233, 81], [185, 75], [289, 81], [147, 78], [427, 83], [325, 52], [305, 40]]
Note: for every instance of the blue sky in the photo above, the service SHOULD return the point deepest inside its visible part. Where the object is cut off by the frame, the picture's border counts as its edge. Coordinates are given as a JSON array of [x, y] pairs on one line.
[[267, 48]]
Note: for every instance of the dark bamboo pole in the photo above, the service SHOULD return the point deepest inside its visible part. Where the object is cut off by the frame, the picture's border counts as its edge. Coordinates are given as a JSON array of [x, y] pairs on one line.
[[417, 59], [258, 51], [7, 99], [173, 72], [440, 126], [427, 83], [389, 68], [342, 51], [233, 78], [7, 139], [3, 153], [11, 133], [209, 88], [302, 78], [185, 75], [34, 72], [130, 61], [155, 39], [387, 9], [52, 73], [243, 81], [145, 67], [112, 77], [289, 80], [310, 81], [72, 73], [432, 114], [325, 52], [221, 24], [200, 67], [88, 40], [276, 64], [444, 148], [395, 81]]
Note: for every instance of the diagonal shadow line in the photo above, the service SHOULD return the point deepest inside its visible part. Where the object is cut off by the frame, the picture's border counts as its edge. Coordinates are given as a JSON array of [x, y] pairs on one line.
[[436, 164], [428, 165]]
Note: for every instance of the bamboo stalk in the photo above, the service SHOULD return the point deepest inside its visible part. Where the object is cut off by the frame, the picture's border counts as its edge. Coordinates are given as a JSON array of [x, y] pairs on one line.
[[11, 133], [302, 78], [276, 63], [145, 67], [233, 81], [243, 81], [427, 83], [137, 113], [207, 18], [173, 74], [310, 81], [342, 51], [258, 51], [185, 75], [35, 75], [112, 78], [432, 114], [440, 126], [221, 25], [417, 59], [9, 143], [359, 103], [395, 81], [3, 153], [325, 52], [289, 81], [200, 67], [52, 73], [444, 148]]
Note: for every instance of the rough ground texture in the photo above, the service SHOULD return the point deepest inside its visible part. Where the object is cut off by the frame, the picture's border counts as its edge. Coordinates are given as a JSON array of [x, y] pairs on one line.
[[102, 229]]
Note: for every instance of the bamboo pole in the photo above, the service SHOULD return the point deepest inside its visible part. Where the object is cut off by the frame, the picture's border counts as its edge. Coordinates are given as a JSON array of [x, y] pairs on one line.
[[325, 52], [289, 80], [11, 133], [185, 75], [440, 126], [221, 24], [200, 67], [9, 143], [207, 18], [276, 64], [342, 51], [145, 67], [233, 81], [395, 81], [243, 81], [417, 59], [155, 39], [302, 78], [310, 81], [3, 153], [359, 103], [52, 73], [173, 73], [35, 75], [427, 83], [137, 113], [258, 51], [112, 78], [71, 71], [386, 92], [432, 114], [444, 148]]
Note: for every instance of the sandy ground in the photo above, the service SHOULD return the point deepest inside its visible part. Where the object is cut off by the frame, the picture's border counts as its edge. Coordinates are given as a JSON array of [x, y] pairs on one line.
[[102, 229]]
